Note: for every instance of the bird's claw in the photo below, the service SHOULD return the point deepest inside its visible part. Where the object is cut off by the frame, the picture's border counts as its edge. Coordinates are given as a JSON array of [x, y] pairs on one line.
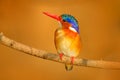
[[72, 60], [61, 55]]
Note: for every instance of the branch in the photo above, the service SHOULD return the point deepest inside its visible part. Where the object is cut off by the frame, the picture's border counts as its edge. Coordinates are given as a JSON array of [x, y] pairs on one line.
[[55, 57]]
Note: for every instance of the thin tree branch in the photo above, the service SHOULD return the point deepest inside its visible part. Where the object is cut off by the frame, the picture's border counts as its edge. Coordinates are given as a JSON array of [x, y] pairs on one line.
[[55, 57]]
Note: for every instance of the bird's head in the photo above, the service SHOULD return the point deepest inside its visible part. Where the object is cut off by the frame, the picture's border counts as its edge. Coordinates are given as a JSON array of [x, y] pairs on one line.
[[67, 21]]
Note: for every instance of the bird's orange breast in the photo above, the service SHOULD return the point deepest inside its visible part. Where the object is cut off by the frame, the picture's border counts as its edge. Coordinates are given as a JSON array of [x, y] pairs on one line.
[[67, 42]]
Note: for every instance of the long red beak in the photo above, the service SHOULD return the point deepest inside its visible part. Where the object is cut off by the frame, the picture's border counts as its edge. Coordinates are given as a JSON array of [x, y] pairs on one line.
[[52, 16]]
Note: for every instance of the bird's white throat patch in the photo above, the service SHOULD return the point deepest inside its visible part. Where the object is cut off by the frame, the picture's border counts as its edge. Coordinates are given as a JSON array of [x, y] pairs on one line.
[[72, 29], [60, 24]]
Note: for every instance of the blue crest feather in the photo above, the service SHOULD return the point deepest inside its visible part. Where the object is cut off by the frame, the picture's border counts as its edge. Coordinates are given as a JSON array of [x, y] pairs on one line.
[[71, 20]]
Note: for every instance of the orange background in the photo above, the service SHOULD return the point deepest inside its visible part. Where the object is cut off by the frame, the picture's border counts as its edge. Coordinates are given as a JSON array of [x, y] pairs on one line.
[[23, 21]]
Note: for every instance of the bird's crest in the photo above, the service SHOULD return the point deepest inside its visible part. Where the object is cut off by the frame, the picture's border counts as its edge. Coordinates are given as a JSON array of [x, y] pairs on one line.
[[71, 20]]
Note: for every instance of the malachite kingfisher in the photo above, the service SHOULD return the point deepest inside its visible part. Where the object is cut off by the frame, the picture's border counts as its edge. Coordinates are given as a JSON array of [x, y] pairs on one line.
[[67, 37]]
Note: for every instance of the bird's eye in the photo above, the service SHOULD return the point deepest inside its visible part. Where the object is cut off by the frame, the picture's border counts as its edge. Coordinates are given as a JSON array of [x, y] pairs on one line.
[[64, 20]]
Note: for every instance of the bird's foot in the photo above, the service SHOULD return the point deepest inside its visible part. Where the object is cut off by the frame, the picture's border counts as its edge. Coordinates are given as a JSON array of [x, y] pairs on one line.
[[72, 60], [61, 55]]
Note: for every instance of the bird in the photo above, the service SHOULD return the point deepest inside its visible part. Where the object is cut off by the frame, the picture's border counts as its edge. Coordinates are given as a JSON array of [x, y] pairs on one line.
[[67, 37]]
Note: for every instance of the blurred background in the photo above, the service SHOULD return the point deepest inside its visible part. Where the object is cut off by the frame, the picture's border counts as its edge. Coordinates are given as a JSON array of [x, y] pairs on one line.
[[23, 21]]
